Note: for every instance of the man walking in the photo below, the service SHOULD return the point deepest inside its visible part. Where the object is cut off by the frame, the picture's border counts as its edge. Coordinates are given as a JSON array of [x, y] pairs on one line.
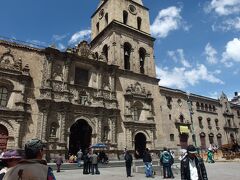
[[59, 162], [166, 161], [192, 166], [147, 159], [128, 162], [33, 167], [79, 157]]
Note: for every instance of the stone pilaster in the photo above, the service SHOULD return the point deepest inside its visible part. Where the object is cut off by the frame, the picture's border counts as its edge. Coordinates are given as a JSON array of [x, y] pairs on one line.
[[62, 124], [44, 125]]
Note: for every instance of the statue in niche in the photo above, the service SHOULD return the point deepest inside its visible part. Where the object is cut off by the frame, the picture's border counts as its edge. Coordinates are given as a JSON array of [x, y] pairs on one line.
[[53, 130], [105, 82], [58, 75], [105, 133], [83, 97]]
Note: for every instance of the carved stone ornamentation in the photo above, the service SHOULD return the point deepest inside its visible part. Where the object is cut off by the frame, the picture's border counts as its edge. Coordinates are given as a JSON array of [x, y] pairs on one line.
[[7, 61], [83, 50]]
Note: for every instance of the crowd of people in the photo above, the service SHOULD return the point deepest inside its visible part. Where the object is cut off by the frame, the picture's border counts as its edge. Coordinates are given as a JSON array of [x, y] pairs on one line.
[[192, 165], [29, 164]]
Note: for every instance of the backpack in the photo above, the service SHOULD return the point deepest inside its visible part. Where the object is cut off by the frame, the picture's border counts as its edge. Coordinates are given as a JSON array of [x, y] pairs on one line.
[[166, 158]]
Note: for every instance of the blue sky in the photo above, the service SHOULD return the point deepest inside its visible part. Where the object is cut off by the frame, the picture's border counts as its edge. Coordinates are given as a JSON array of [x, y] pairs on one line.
[[197, 47]]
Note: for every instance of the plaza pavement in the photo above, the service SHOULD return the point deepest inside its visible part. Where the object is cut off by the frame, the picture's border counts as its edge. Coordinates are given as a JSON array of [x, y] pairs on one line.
[[216, 171]]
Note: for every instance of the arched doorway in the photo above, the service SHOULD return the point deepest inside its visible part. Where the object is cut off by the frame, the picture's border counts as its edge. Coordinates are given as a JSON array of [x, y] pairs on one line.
[[3, 137], [140, 145], [80, 136]]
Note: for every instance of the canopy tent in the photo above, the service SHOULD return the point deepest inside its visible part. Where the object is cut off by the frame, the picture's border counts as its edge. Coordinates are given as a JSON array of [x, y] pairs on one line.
[[99, 145]]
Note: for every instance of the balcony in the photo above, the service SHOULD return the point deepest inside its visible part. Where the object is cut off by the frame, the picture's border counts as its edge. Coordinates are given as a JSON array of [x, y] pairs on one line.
[[184, 122], [230, 127]]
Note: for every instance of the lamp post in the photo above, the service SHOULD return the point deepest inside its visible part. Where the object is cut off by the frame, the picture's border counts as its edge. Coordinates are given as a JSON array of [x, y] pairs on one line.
[[191, 118]]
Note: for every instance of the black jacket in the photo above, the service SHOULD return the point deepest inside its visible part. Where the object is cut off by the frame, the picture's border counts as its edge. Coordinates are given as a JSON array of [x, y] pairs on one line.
[[185, 171], [147, 157]]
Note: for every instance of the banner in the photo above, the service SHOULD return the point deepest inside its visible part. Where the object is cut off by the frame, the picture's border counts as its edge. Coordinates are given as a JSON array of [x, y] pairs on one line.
[[184, 129]]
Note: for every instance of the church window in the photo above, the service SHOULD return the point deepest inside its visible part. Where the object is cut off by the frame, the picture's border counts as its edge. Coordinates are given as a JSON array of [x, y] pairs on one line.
[[169, 101], [203, 140], [97, 26], [214, 108], [106, 19], [170, 117], [81, 76], [139, 23], [125, 17], [229, 123], [198, 106], [206, 107], [142, 54], [209, 121], [127, 53], [202, 106], [105, 52], [132, 9], [200, 122], [216, 122], [211, 138], [171, 137], [3, 96], [210, 108], [181, 118]]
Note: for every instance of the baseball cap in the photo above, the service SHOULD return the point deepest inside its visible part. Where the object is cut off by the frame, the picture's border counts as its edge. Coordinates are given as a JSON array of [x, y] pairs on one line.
[[191, 149], [34, 145]]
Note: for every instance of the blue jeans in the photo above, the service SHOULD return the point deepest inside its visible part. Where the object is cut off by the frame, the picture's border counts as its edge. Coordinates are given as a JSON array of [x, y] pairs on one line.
[[148, 169], [79, 162]]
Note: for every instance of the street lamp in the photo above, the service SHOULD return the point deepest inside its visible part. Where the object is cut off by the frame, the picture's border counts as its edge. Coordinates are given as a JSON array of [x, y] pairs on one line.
[[191, 118]]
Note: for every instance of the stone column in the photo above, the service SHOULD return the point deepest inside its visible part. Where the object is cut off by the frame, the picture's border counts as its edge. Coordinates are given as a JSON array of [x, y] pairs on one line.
[[113, 126], [99, 131]]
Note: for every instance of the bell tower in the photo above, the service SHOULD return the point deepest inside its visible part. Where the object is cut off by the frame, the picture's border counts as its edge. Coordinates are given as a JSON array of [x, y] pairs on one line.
[[121, 35]]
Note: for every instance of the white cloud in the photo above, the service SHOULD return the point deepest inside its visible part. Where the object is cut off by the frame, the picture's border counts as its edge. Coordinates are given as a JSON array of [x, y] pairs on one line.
[[177, 56], [214, 95], [79, 36], [34, 43], [168, 20], [211, 54], [224, 7], [232, 52], [56, 37], [228, 25], [183, 77]]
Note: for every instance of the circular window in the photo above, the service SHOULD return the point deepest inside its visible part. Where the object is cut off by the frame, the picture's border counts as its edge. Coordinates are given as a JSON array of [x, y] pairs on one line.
[[101, 14], [132, 9]]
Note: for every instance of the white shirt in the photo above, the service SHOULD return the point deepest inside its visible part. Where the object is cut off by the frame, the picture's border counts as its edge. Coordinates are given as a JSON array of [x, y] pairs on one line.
[[193, 170]]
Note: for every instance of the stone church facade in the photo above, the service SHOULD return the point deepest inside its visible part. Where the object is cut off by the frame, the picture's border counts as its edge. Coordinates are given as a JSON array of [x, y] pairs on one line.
[[105, 91]]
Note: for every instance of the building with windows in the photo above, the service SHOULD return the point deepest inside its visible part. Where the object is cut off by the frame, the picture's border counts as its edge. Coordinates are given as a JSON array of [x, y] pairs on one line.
[[105, 91]]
